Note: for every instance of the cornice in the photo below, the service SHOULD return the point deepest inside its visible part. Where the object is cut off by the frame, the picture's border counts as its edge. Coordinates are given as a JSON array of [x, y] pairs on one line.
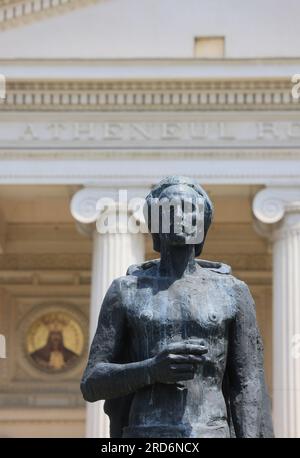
[[150, 84], [149, 69], [14, 13]]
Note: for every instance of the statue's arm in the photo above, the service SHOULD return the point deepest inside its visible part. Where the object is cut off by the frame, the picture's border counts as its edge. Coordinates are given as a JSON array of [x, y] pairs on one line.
[[245, 368], [104, 377]]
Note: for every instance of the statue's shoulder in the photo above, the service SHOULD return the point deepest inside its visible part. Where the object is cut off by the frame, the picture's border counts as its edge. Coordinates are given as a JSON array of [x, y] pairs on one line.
[[121, 284], [244, 299], [143, 268], [151, 266], [216, 267]]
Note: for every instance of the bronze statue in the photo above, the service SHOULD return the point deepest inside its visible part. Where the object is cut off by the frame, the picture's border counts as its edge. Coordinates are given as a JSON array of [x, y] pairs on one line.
[[177, 352]]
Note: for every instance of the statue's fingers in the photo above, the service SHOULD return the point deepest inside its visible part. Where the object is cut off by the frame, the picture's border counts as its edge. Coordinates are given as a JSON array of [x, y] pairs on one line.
[[184, 348], [182, 367], [196, 349], [196, 359], [178, 358], [178, 348], [183, 359]]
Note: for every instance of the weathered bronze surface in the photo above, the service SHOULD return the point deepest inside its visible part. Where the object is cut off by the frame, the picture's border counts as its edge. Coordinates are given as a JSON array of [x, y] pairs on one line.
[[177, 352]]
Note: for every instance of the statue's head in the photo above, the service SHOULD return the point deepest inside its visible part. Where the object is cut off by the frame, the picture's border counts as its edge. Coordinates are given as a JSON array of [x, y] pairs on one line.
[[184, 207]]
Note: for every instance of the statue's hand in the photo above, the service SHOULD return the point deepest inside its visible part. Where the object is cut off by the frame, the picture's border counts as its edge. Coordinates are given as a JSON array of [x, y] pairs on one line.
[[177, 362]]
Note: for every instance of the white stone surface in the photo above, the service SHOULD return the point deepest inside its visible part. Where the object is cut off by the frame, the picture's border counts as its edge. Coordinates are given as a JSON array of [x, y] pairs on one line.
[[281, 208], [143, 69], [159, 28]]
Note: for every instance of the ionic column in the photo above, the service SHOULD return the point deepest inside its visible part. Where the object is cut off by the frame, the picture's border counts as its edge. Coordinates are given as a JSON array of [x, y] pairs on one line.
[[279, 209], [113, 252]]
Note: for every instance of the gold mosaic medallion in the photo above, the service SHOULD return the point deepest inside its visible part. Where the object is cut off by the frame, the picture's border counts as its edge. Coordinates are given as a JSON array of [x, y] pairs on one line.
[[55, 341]]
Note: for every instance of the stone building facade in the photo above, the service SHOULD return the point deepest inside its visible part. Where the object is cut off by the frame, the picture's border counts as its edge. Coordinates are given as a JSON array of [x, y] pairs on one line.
[[112, 95]]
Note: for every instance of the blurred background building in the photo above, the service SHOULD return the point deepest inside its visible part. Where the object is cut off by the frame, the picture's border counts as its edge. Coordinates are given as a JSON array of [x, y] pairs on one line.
[[104, 95]]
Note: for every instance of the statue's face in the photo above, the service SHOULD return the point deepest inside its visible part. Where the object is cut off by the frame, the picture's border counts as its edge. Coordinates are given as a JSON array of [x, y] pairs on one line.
[[56, 340], [182, 216]]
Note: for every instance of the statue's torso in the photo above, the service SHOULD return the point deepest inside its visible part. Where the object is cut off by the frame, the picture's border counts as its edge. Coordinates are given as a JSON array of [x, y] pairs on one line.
[[197, 308]]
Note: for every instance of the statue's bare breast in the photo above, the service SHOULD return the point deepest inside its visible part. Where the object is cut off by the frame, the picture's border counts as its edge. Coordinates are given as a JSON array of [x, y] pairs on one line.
[[196, 309]]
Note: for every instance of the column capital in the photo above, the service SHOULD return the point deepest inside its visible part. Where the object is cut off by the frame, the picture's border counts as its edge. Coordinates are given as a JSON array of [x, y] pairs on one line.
[[272, 203], [84, 205], [89, 205]]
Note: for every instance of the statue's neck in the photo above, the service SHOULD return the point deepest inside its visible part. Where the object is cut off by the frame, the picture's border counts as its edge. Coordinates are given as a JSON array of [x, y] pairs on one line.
[[177, 261]]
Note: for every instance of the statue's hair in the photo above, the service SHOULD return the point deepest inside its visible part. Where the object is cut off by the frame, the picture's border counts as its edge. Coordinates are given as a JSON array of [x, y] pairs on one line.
[[156, 193]]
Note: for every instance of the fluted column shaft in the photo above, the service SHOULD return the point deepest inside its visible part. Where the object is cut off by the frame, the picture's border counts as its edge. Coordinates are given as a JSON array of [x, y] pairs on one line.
[[113, 252], [286, 316], [280, 209]]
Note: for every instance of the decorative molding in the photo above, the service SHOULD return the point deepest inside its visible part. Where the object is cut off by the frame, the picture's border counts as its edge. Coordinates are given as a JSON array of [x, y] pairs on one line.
[[44, 277], [19, 12], [156, 95], [214, 173], [16, 399], [100, 154], [48, 261], [46, 416]]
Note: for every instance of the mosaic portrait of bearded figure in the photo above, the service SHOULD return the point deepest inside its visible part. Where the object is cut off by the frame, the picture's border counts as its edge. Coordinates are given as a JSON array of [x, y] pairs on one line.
[[54, 342]]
